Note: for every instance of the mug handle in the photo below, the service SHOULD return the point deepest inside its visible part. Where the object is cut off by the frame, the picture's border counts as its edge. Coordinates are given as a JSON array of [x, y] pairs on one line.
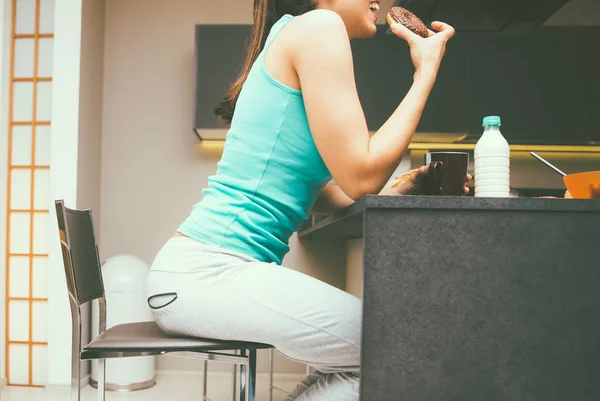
[[436, 169]]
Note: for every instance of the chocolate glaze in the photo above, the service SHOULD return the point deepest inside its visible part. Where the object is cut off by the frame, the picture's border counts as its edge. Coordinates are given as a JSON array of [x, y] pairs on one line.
[[409, 20]]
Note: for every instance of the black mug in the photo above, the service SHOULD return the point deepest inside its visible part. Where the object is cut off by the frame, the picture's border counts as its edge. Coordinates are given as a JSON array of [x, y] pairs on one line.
[[447, 173]]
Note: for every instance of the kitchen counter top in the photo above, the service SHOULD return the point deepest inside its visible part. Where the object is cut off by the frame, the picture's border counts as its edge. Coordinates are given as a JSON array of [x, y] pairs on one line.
[[348, 223]]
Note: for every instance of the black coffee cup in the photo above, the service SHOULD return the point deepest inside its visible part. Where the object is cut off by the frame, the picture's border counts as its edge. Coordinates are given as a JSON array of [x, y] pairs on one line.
[[447, 173]]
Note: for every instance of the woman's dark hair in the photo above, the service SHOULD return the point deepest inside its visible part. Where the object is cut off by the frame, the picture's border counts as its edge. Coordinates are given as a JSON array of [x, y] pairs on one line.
[[266, 13]]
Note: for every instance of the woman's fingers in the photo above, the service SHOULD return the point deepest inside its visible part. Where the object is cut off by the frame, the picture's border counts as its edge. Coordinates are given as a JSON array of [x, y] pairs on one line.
[[404, 33], [443, 29]]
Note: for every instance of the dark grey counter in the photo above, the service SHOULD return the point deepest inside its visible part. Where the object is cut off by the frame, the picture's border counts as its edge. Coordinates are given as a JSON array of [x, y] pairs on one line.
[[476, 299]]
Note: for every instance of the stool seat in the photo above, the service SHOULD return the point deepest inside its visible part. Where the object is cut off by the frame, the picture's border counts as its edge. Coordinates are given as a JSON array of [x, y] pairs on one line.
[[147, 336]]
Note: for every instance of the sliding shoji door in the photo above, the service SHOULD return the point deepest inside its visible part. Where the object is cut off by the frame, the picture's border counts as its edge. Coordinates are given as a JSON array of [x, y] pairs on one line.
[[27, 213]]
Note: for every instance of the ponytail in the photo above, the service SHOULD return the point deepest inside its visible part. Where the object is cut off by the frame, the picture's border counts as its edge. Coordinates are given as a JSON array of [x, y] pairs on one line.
[[266, 13]]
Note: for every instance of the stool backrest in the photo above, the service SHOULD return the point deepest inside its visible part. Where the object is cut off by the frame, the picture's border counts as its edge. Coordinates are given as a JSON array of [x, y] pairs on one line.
[[80, 254]]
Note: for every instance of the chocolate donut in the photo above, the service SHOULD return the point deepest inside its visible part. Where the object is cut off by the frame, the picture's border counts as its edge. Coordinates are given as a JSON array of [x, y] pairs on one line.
[[408, 19]]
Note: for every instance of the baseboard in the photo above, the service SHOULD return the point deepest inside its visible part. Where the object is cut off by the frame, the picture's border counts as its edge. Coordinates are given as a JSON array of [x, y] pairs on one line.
[[85, 380], [65, 388]]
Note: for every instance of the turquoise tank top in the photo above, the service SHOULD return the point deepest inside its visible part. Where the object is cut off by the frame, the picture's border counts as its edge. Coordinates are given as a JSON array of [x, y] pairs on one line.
[[270, 173]]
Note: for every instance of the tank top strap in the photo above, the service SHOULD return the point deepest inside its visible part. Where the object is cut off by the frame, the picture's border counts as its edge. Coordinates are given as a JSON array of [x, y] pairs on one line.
[[278, 26]]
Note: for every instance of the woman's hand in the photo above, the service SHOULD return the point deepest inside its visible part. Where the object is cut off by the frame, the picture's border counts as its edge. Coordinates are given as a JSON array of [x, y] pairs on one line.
[[426, 53], [413, 182]]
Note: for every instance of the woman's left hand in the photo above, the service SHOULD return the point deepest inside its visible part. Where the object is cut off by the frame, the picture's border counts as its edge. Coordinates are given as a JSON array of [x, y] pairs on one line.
[[413, 182]]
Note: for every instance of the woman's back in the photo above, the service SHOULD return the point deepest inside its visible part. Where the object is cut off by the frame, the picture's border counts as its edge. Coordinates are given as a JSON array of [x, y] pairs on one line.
[[270, 173]]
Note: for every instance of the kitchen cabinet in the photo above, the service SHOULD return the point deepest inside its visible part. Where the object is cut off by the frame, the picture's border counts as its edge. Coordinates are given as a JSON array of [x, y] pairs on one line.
[[543, 83]]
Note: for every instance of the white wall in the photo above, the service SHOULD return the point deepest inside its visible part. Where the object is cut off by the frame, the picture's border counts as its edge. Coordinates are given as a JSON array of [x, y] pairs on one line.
[[90, 127], [90, 108], [5, 31], [75, 156], [63, 178]]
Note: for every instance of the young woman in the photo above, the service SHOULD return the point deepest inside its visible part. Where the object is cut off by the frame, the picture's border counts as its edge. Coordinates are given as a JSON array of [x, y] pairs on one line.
[[296, 122]]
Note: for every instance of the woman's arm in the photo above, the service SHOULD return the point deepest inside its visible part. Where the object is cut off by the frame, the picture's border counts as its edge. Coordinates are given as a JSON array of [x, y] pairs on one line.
[[330, 200], [322, 58]]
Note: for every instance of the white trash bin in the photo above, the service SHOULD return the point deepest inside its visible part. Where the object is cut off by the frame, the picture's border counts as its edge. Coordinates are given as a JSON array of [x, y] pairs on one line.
[[125, 282]]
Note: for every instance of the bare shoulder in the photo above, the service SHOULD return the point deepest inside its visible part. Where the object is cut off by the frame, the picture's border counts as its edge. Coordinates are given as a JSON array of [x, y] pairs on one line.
[[318, 35], [321, 25], [321, 19]]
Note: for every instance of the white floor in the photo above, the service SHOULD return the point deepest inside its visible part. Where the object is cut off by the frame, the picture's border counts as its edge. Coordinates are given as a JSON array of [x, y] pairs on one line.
[[168, 387]]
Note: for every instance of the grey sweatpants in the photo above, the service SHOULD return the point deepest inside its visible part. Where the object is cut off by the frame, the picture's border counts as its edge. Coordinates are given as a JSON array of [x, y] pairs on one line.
[[225, 295]]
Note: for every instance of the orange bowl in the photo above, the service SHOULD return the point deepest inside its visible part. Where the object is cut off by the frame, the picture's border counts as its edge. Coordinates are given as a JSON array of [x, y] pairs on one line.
[[583, 185]]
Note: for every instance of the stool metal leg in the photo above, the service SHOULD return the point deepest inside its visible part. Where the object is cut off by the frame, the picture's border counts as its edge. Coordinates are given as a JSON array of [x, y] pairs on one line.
[[204, 380], [234, 377], [252, 375], [270, 374], [101, 379], [243, 378], [75, 376]]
